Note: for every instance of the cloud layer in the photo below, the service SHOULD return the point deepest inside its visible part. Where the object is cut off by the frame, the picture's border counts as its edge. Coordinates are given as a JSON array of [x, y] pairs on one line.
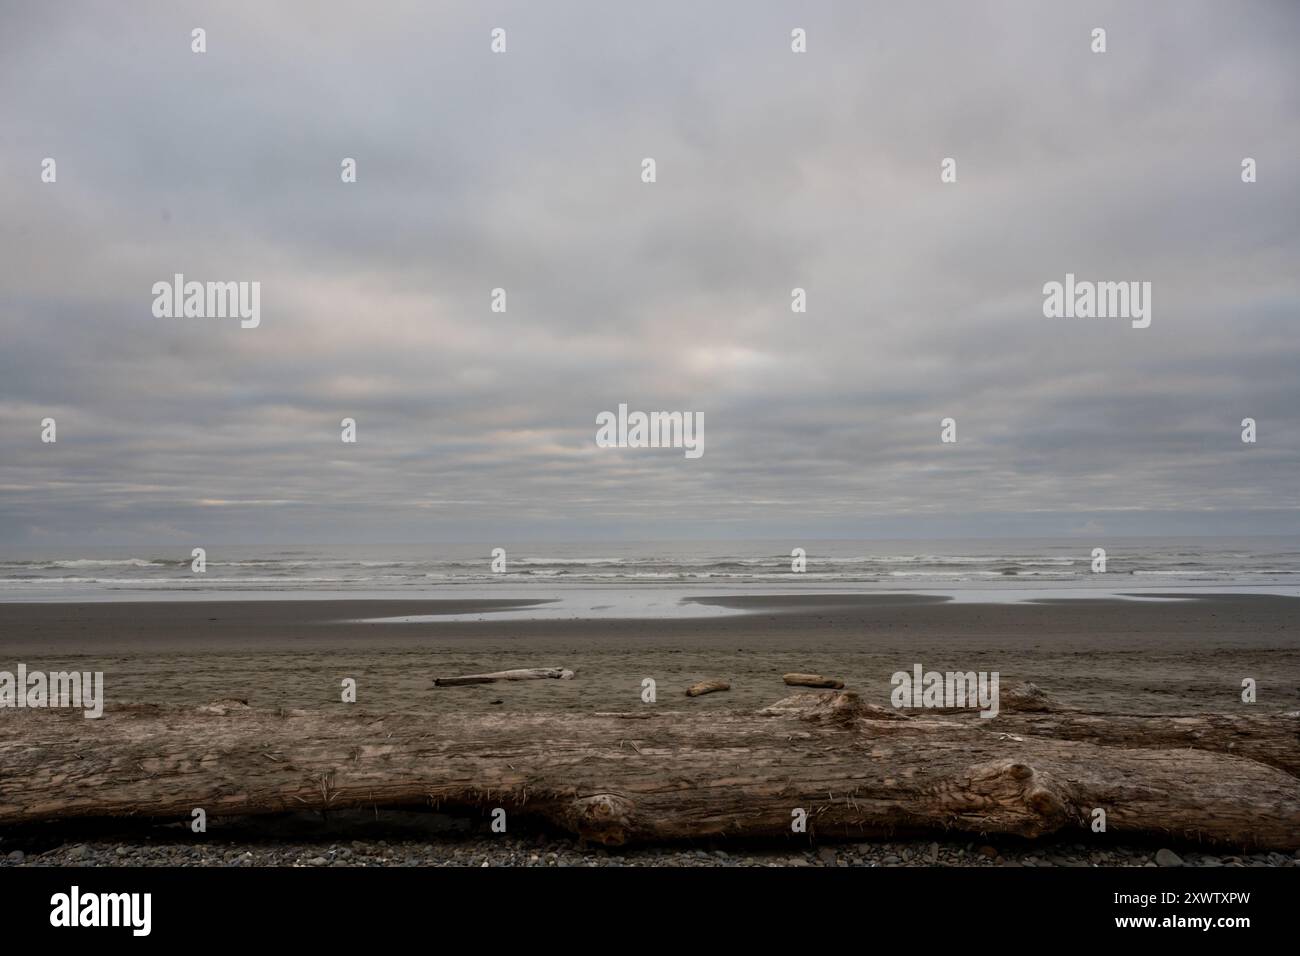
[[522, 171]]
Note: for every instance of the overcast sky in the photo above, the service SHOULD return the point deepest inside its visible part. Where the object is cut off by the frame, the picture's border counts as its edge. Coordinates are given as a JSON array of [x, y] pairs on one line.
[[523, 170]]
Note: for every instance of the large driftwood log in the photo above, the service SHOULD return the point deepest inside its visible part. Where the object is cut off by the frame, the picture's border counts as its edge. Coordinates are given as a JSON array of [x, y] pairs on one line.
[[1271, 739], [1267, 737], [856, 770]]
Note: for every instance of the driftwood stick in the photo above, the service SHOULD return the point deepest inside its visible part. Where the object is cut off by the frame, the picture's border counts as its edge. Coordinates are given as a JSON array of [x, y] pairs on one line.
[[712, 686], [652, 775], [813, 680], [525, 673]]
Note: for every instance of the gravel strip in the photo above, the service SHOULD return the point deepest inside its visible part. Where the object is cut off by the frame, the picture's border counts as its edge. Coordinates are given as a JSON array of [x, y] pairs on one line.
[[549, 851]]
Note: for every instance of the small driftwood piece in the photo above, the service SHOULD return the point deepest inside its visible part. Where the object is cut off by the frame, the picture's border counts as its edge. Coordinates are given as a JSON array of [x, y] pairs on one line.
[[707, 687], [524, 673], [813, 680]]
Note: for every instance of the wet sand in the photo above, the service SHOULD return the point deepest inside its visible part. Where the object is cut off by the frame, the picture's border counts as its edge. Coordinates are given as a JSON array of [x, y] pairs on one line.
[[1105, 655]]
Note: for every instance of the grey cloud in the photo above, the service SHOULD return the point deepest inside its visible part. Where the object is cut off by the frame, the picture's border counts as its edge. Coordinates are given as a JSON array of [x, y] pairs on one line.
[[521, 171]]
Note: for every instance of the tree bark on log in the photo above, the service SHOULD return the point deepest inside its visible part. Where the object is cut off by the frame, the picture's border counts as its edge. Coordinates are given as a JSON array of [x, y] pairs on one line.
[[856, 770]]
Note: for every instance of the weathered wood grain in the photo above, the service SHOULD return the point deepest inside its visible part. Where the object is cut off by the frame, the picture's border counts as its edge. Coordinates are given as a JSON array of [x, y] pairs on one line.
[[657, 775]]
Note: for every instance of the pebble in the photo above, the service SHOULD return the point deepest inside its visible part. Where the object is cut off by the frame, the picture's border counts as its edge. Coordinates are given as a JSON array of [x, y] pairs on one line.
[[1168, 858]]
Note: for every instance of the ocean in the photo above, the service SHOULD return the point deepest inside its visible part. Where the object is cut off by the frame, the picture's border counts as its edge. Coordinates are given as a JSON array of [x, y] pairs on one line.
[[995, 569]]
